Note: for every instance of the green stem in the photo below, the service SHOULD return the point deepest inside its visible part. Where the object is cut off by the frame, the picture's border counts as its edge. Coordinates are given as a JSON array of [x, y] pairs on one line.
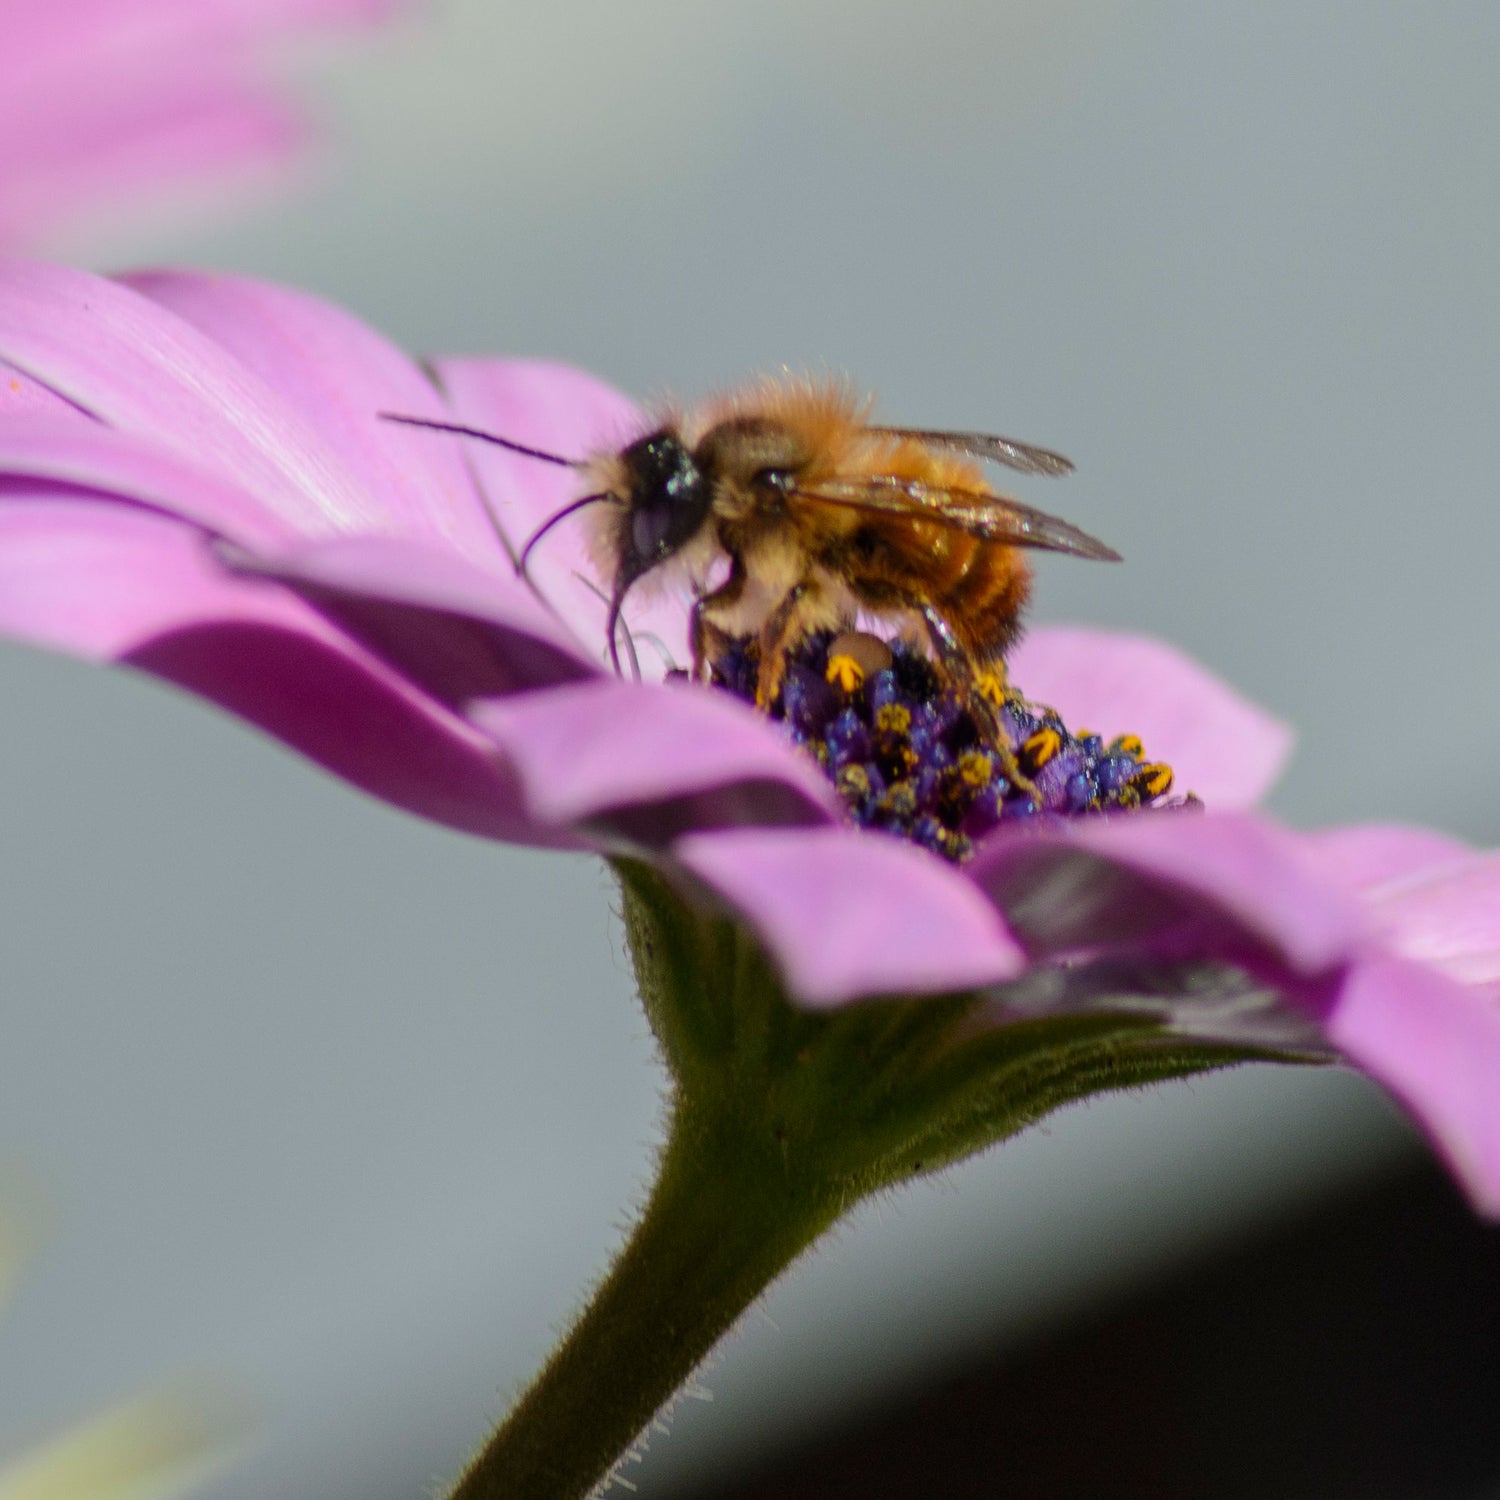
[[720, 1226], [782, 1120]]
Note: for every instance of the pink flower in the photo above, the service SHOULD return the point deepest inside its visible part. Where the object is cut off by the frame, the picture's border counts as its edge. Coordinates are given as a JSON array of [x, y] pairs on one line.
[[197, 485], [102, 100]]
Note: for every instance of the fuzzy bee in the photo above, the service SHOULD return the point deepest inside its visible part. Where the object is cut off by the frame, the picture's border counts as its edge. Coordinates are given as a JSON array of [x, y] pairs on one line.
[[786, 511]]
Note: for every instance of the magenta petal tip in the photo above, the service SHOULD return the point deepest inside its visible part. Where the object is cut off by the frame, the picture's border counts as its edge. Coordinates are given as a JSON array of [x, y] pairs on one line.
[[849, 915], [1223, 748]]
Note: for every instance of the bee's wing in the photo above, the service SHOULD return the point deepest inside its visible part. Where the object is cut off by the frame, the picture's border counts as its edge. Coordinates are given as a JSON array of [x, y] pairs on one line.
[[980, 513], [1023, 457]]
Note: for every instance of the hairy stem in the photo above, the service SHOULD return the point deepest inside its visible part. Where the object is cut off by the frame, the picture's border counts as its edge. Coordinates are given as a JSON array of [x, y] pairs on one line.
[[722, 1223]]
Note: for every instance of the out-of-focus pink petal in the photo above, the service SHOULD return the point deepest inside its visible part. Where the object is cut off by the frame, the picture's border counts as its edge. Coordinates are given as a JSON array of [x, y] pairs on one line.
[[1174, 884], [106, 102], [100, 34], [461, 631], [141, 369], [1219, 744], [640, 763], [847, 915], [1430, 896], [336, 374], [108, 581], [1436, 1045], [1366, 856], [88, 148], [564, 411], [1447, 916]]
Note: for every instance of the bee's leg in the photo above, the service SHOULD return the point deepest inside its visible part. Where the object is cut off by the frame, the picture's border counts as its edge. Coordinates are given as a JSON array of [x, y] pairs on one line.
[[957, 668], [701, 630], [982, 694], [776, 638]]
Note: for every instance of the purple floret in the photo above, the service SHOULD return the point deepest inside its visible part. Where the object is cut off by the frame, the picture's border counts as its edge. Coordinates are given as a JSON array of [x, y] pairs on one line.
[[909, 758]]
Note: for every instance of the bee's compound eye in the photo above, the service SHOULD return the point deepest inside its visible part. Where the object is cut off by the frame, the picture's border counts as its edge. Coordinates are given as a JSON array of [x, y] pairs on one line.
[[651, 531], [670, 496]]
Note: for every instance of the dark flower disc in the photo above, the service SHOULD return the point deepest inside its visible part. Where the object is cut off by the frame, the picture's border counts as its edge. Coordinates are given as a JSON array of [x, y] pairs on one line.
[[910, 758]]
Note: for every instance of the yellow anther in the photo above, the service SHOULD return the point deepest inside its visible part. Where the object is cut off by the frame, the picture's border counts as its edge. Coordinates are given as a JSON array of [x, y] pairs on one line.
[[899, 800], [845, 673], [992, 684], [975, 768], [1129, 744], [893, 718], [854, 781], [1040, 748], [1154, 779]]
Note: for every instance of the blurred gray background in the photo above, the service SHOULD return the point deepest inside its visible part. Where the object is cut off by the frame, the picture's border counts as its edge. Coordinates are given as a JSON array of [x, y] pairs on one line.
[[350, 1108]]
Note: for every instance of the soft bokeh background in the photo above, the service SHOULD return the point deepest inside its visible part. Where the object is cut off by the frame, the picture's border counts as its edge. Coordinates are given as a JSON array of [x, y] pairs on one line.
[[352, 1108]]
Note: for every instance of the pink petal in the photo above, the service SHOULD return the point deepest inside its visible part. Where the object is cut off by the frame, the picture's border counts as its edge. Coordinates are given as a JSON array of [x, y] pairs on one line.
[[104, 100], [1174, 884], [459, 630], [141, 369], [89, 150], [336, 374], [1447, 916], [99, 579], [1431, 897], [1368, 855], [75, 453], [108, 581], [847, 915], [564, 411], [1436, 1045], [88, 34], [20, 394], [639, 763], [1219, 744]]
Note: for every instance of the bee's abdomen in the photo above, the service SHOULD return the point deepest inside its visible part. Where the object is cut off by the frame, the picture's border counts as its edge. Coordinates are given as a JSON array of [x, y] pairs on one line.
[[984, 601], [979, 588]]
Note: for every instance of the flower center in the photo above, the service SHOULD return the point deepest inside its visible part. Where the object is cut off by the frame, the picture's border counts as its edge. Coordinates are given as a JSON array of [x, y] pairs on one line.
[[909, 758]]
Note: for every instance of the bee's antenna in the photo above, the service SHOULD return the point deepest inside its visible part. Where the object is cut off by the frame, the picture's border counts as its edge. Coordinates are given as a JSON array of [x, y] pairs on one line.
[[551, 521], [484, 437]]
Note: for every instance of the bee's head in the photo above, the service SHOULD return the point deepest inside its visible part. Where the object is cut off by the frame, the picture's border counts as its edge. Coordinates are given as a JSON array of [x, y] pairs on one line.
[[661, 501], [666, 495]]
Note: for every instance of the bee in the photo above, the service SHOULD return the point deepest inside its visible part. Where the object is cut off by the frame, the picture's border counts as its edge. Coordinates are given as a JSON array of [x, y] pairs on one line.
[[788, 512]]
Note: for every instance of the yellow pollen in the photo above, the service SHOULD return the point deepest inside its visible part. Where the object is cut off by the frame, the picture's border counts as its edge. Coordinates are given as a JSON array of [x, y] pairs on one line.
[[845, 673], [893, 718], [1040, 748], [974, 766], [900, 800], [992, 684], [1129, 744], [1154, 778], [854, 781]]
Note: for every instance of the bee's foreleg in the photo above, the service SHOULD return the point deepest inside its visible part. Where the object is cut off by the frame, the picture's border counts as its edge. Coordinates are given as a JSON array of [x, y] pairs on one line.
[[702, 632], [780, 632], [980, 691]]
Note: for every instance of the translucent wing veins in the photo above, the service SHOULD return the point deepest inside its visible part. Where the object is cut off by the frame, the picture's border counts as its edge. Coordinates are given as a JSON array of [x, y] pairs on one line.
[[980, 513], [1025, 458]]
